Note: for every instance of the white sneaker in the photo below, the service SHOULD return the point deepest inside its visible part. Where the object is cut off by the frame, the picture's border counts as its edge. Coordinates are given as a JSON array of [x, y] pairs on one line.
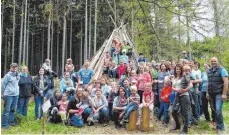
[[151, 123]]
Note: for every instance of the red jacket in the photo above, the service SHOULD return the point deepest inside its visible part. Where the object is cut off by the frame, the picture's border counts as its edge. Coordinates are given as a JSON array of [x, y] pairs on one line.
[[165, 93], [121, 70]]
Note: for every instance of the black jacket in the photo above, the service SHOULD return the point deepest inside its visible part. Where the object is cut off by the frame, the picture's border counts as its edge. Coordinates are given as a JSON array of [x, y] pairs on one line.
[[25, 86], [37, 84]]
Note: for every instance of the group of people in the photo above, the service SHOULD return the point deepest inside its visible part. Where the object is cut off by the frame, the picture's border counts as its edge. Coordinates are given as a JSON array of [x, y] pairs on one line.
[[176, 87]]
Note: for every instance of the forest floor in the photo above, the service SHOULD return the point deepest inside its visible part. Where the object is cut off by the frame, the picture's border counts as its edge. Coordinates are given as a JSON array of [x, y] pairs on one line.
[[31, 126]]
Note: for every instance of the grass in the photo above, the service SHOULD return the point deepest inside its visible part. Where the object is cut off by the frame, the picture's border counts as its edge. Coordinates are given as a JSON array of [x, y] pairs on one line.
[[31, 126]]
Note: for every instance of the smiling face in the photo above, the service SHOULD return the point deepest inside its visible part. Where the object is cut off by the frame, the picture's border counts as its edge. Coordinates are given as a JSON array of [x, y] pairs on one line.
[[41, 71], [24, 70], [214, 62], [206, 67], [121, 92]]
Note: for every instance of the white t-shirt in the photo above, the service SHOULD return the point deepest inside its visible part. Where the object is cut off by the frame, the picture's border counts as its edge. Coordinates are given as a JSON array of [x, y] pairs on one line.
[[177, 84]]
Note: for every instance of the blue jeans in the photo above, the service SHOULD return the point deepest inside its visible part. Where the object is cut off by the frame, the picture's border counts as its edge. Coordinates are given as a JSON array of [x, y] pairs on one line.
[[163, 109], [39, 101], [217, 104], [23, 105], [112, 73], [129, 108], [10, 106], [104, 112]]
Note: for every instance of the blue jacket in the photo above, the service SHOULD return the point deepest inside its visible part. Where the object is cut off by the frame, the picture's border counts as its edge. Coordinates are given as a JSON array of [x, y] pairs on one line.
[[10, 84], [64, 86]]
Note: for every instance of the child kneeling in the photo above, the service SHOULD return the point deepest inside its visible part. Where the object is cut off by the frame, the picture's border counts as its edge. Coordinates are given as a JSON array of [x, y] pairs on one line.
[[134, 101], [147, 101]]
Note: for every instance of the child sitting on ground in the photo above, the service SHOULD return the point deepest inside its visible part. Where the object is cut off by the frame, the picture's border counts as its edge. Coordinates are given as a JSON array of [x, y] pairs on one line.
[[165, 98], [63, 103], [133, 101], [147, 101]]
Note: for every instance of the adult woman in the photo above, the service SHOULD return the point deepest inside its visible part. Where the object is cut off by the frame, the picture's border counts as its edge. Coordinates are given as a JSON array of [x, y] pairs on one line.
[[41, 88], [143, 78], [25, 89], [160, 82], [119, 105], [203, 94], [66, 84], [100, 108], [182, 98], [55, 98]]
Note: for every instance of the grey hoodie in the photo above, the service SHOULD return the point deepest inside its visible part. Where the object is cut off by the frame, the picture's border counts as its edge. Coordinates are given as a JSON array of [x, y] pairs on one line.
[[10, 84]]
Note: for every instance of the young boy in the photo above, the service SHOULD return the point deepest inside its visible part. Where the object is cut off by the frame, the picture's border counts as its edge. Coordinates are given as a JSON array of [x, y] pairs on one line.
[[133, 101], [147, 101], [165, 97]]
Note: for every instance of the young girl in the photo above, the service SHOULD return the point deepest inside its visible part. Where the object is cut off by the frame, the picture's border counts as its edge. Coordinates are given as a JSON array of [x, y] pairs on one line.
[[63, 103], [165, 99], [134, 101], [121, 69], [147, 101], [69, 62]]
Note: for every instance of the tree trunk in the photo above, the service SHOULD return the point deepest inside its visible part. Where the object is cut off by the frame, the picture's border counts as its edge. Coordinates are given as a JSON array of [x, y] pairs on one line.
[[24, 46], [57, 49], [49, 25], [216, 17], [70, 50], [52, 45], [89, 48], [27, 45], [14, 12], [95, 26], [115, 13], [42, 46], [85, 32], [188, 33], [64, 41], [32, 55], [5, 52], [21, 35], [81, 44]]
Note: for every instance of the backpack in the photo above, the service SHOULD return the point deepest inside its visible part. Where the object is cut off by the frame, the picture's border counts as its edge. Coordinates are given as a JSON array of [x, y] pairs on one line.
[[53, 115]]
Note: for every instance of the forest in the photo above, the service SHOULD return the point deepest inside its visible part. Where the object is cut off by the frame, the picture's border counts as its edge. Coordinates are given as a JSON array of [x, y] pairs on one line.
[[33, 30]]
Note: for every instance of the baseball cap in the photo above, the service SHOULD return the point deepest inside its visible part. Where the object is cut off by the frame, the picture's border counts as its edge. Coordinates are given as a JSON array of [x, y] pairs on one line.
[[184, 52], [13, 65]]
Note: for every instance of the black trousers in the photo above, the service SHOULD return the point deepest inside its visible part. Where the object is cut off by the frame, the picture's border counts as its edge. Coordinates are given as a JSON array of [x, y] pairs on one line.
[[185, 108], [140, 92], [116, 114]]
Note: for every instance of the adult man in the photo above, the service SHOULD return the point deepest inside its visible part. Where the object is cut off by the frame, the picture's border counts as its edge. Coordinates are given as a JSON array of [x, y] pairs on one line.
[[185, 55], [217, 90], [85, 74], [10, 91]]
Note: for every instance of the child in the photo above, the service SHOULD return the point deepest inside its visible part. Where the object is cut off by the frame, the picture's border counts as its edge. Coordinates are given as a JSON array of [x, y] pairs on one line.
[[112, 72], [141, 58], [47, 65], [147, 101], [121, 69], [69, 62], [133, 101], [63, 103], [165, 98], [124, 57], [107, 59]]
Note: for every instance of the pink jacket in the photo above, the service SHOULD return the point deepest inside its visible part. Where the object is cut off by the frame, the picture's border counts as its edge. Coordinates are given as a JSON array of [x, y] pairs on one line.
[[62, 106], [142, 80]]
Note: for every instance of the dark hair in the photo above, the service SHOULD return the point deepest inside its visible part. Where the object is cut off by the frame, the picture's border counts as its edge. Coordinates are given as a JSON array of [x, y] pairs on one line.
[[178, 66], [123, 90], [166, 68], [197, 63]]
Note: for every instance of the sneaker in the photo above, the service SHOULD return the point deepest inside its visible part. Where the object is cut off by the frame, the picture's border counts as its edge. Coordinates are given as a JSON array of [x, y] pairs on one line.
[[151, 123], [122, 122], [126, 120], [212, 124], [138, 122], [218, 132], [13, 124]]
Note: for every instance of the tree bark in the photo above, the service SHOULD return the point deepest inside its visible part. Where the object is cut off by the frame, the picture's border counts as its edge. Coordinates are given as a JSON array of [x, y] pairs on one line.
[[64, 41], [52, 45], [89, 48], [42, 47], [24, 46], [70, 50], [27, 44], [81, 44], [21, 34], [57, 49], [95, 26], [49, 26], [6, 50], [85, 32], [13, 40]]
